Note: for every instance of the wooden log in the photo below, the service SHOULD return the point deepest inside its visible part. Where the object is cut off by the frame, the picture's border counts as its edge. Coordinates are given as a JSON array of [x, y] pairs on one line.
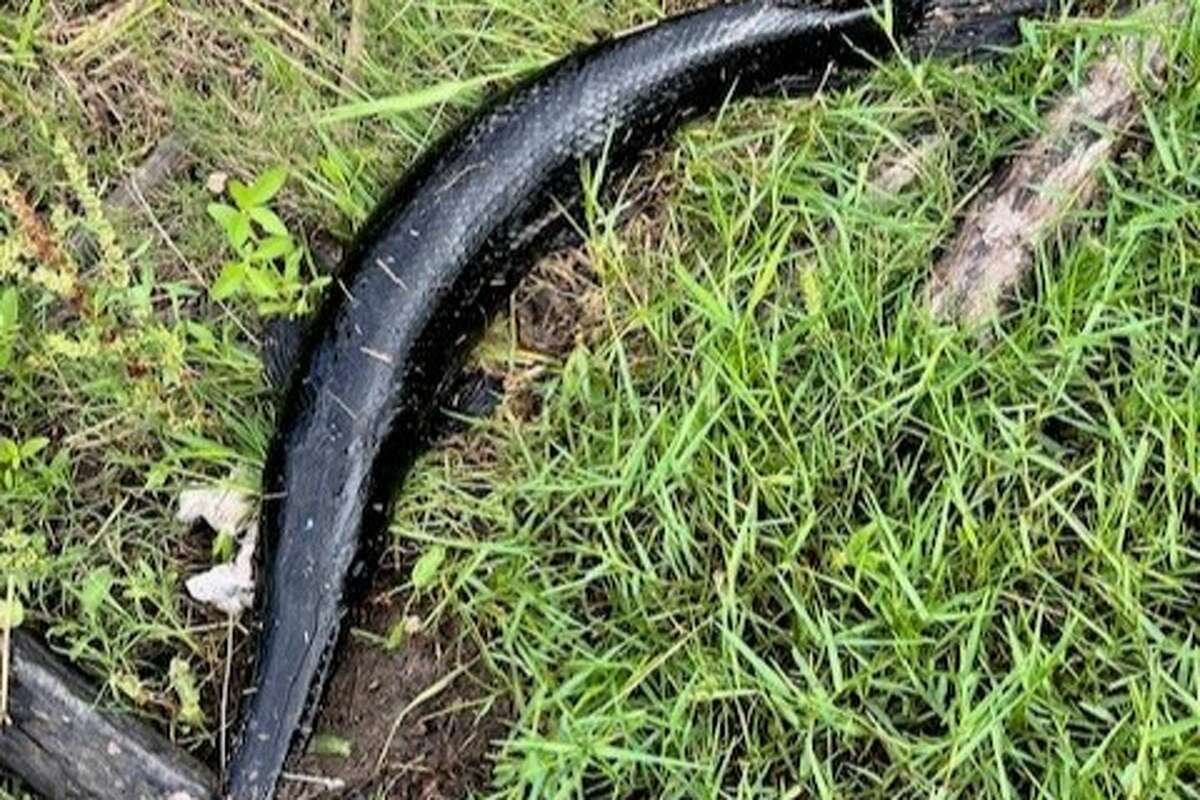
[[59, 743], [1055, 174]]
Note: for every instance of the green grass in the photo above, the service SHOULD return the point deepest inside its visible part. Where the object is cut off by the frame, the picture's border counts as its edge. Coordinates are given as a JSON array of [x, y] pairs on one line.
[[774, 533]]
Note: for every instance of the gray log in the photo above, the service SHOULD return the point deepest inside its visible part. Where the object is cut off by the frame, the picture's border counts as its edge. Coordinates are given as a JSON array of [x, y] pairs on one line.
[[64, 747]]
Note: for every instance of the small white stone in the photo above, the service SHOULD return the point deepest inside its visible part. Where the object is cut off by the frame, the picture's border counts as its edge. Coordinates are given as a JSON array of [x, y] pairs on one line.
[[216, 182]]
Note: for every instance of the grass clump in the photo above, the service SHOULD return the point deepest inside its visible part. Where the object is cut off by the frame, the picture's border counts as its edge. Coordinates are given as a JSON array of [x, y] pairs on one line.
[[773, 533]]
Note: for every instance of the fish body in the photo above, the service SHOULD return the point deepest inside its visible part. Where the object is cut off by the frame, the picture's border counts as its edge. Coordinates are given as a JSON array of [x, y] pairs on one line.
[[435, 261]]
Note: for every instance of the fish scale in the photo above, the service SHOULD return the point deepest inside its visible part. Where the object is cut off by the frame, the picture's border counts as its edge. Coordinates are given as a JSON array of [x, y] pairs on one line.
[[435, 261]]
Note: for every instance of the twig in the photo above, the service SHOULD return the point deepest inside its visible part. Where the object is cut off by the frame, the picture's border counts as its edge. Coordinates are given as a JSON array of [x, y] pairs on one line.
[[1057, 173], [328, 784], [433, 690], [355, 39], [225, 688]]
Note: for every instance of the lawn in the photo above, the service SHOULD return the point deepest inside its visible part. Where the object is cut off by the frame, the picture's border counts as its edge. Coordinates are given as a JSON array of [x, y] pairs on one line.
[[747, 523]]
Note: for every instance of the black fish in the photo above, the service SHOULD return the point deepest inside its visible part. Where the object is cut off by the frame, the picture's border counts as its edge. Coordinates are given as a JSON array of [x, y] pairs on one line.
[[439, 256]]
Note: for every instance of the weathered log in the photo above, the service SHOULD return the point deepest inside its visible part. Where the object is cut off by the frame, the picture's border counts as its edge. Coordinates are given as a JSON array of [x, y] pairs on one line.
[[1057, 173], [59, 743]]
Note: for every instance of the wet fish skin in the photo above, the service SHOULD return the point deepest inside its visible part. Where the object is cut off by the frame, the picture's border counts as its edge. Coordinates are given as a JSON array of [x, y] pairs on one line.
[[436, 260]]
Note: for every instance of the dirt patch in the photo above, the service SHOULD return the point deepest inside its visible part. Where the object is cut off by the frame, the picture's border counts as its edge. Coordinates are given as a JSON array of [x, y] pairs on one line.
[[558, 302], [431, 684]]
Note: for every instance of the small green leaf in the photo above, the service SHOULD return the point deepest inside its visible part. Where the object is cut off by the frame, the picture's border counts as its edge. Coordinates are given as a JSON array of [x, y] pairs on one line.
[[131, 686], [223, 214], [397, 637], [12, 614], [273, 248], [9, 452], [240, 193], [331, 169], [267, 186], [291, 265], [34, 446], [272, 308], [235, 224], [157, 476], [425, 571], [95, 590], [400, 632], [9, 309], [268, 220], [223, 547], [262, 283], [330, 744], [229, 281], [10, 319]]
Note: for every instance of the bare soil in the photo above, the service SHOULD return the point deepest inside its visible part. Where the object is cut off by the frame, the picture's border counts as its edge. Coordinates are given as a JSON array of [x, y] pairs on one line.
[[403, 745]]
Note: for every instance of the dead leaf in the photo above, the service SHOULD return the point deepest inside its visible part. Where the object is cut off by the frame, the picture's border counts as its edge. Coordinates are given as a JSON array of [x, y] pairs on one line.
[[225, 510], [229, 587]]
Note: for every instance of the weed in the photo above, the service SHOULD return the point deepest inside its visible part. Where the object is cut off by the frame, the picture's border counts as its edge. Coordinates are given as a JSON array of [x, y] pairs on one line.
[[14, 456], [269, 262], [10, 322], [18, 35]]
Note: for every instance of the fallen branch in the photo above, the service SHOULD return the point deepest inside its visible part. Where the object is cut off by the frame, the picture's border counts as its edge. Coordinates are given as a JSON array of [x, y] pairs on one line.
[[1057, 173], [59, 743]]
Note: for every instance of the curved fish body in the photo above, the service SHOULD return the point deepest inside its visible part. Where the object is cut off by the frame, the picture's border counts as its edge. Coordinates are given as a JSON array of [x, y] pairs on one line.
[[438, 257]]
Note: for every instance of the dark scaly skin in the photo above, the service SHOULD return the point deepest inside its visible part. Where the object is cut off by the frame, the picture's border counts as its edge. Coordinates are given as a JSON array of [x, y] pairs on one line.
[[439, 256]]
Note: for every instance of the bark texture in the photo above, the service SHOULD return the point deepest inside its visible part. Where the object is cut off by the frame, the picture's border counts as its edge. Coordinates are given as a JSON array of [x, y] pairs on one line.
[[59, 743], [1056, 174]]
